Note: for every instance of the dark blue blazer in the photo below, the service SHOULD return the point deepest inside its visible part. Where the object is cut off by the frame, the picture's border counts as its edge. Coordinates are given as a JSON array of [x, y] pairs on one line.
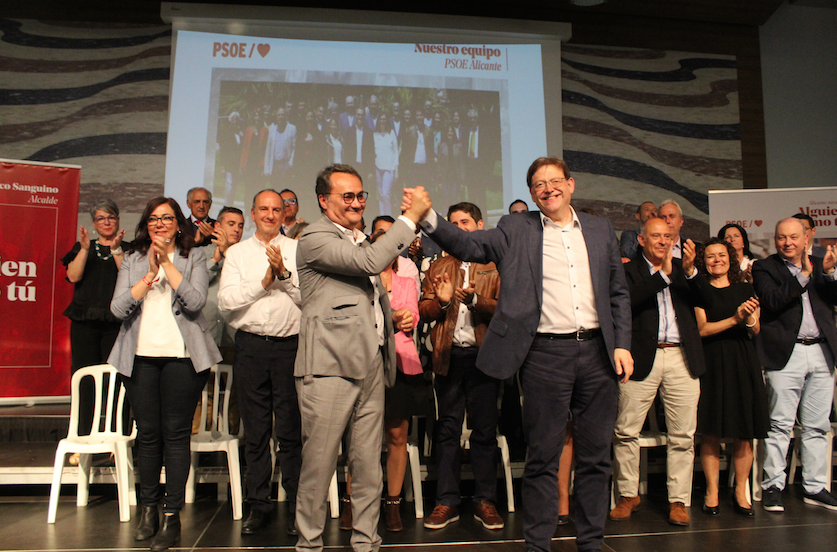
[[780, 297], [516, 247]]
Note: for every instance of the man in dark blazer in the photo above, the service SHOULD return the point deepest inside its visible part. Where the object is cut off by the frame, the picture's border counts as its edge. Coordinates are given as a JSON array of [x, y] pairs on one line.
[[199, 200], [563, 320], [797, 346], [668, 357], [359, 146], [346, 354]]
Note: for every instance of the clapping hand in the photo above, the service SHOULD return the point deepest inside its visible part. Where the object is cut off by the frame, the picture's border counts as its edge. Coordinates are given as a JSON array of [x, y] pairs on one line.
[[83, 238], [443, 288], [403, 320], [204, 231], [746, 309], [466, 295], [688, 257]]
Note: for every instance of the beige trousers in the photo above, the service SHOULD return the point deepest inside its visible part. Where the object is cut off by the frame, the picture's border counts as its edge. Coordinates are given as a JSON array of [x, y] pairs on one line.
[[679, 392]]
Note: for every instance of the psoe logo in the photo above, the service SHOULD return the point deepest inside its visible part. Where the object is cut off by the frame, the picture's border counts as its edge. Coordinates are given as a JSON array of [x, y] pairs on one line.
[[239, 49]]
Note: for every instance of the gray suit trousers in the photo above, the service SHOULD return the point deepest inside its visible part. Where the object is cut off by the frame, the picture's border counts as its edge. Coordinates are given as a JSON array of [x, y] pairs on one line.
[[330, 406]]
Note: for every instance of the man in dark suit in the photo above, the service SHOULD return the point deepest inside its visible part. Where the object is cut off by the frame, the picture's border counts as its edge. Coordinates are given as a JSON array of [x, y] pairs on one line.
[[562, 319], [797, 346], [668, 356], [359, 145], [199, 200], [628, 242]]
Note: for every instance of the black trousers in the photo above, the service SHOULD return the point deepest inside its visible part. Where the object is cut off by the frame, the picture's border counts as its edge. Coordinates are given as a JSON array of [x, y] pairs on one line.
[[558, 376], [90, 342], [466, 386], [163, 393], [263, 374]]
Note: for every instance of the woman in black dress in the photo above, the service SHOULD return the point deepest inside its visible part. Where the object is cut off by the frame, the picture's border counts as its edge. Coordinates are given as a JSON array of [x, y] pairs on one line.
[[733, 403]]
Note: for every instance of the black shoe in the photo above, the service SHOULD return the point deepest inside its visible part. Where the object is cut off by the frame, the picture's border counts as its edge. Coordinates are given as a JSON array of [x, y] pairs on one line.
[[149, 523], [254, 522], [169, 534], [741, 510], [291, 528], [772, 500], [824, 499], [711, 510]]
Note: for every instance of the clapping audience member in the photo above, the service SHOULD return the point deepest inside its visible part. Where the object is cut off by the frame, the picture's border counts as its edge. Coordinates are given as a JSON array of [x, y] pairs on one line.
[[628, 241], [736, 236], [733, 402], [165, 354], [93, 329], [796, 346], [199, 200], [461, 297], [810, 227]]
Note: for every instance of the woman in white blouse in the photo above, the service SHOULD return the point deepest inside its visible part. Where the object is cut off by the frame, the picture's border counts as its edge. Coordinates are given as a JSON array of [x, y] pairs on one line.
[[163, 350], [386, 162]]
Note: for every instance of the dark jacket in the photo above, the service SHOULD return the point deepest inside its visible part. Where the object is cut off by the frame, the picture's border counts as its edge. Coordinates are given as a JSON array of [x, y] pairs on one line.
[[686, 294]]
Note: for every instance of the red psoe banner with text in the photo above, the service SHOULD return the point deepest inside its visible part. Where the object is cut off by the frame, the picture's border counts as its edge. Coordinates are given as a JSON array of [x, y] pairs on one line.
[[38, 217]]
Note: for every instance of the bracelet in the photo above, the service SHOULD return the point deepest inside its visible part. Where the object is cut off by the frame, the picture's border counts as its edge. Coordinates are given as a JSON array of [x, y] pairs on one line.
[[750, 325], [146, 282], [117, 251]]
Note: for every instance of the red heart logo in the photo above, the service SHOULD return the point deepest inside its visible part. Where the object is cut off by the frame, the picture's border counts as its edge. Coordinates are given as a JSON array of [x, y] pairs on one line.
[[264, 49], [757, 222]]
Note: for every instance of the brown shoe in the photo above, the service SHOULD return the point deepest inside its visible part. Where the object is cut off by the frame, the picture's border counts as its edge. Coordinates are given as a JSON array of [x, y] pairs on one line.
[[345, 520], [392, 513], [627, 506], [677, 514], [486, 513], [441, 516]]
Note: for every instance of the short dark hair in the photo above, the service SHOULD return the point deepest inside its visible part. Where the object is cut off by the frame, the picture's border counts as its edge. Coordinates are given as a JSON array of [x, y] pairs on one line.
[[515, 202], [735, 275], [323, 186], [184, 240], [466, 207], [225, 210], [384, 218], [288, 190], [543, 162], [803, 216]]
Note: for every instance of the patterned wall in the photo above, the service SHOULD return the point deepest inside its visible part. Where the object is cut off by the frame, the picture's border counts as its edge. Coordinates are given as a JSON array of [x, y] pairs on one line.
[[95, 96], [644, 125], [638, 124]]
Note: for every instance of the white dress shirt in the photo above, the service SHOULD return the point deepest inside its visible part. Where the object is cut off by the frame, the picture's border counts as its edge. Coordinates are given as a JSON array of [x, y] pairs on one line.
[[248, 306], [569, 303], [463, 333]]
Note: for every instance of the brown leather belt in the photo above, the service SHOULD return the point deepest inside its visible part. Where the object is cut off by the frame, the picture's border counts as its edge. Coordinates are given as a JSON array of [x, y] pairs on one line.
[[667, 345]]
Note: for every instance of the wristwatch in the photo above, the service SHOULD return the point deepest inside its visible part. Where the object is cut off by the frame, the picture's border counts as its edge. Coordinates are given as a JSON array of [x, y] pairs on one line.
[[285, 275]]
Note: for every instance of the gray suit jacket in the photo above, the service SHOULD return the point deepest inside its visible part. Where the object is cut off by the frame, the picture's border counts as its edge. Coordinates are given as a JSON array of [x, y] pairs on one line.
[[337, 334], [516, 246], [186, 305]]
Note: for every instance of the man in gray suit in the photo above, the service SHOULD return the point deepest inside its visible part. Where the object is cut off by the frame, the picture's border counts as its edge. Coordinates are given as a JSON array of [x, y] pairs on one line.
[[346, 354], [563, 319]]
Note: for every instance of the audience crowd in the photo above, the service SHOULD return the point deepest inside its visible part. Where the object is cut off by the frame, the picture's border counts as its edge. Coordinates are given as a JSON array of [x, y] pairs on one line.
[[341, 341]]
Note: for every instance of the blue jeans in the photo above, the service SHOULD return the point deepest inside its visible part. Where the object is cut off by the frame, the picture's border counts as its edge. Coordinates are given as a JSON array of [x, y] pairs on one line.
[[806, 385]]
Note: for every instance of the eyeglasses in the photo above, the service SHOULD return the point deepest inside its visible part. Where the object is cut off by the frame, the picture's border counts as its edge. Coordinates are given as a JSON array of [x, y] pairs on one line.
[[554, 183], [349, 197], [167, 220], [102, 220], [289, 201]]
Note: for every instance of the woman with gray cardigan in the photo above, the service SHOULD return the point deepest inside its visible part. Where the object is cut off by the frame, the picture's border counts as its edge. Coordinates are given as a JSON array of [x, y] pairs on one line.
[[164, 351]]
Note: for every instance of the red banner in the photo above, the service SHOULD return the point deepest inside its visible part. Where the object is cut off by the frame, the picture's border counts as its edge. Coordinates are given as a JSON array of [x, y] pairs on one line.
[[38, 217]]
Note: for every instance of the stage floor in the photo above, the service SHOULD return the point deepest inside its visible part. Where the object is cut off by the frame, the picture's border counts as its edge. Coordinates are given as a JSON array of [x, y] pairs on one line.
[[208, 525]]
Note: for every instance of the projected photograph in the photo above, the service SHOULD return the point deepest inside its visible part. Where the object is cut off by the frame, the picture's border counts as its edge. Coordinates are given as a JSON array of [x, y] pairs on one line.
[[281, 134]]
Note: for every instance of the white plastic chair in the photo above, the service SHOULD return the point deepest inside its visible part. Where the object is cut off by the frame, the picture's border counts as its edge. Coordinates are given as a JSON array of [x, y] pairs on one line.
[[647, 439], [217, 438], [333, 490], [107, 439], [412, 484]]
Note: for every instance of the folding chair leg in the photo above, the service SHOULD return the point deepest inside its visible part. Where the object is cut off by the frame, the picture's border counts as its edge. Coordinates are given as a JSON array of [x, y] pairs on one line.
[[506, 459], [233, 466], [334, 497], [83, 493], [55, 488], [281, 495], [122, 483], [415, 480], [190, 482], [132, 484]]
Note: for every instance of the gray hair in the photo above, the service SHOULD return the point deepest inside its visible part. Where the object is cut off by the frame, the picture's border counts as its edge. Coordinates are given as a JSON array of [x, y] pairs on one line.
[[671, 202], [193, 190], [106, 205]]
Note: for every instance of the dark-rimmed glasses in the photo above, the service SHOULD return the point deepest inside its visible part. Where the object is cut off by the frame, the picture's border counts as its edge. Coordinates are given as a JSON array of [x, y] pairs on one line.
[[349, 197], [167, 220]]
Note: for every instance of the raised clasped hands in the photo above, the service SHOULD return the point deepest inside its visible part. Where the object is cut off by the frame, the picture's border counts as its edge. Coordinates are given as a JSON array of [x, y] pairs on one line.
[[416, 203], [274, 260]]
